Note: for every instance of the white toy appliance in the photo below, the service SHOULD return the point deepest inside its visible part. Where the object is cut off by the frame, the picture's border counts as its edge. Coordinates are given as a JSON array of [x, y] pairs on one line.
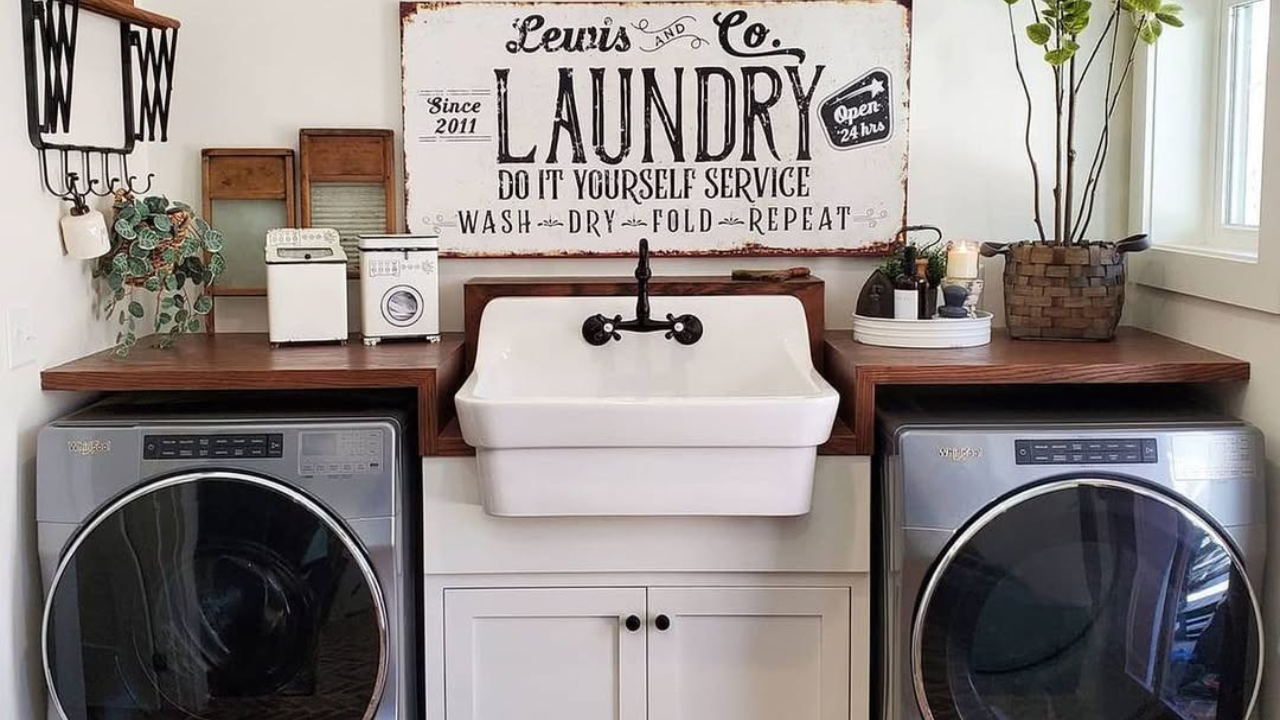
[[399, 287], [306, 286]]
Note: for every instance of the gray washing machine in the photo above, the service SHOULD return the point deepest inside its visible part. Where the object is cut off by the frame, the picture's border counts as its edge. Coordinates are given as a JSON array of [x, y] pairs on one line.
[[229, 559], [1038, 565]]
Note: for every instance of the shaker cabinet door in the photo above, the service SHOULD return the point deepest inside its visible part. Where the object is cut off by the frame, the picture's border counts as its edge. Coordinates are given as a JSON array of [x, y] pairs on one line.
[[749, 653], [545, 654]]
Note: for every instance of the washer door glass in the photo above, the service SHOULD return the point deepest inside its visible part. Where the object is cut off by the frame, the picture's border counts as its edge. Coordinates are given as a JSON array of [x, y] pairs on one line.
[[215, 596], [1088, 599], [402, 306]]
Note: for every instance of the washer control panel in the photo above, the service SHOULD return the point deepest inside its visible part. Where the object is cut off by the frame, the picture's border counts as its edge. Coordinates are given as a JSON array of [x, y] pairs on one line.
[[340, 452], [175, 447], [1110, 451]]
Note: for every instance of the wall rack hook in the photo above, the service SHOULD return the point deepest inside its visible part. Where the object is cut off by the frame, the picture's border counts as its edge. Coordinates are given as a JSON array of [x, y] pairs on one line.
[[148, 42]]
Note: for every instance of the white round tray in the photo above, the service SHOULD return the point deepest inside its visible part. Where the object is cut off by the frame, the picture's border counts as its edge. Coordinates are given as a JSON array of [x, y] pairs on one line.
[[936, 333]]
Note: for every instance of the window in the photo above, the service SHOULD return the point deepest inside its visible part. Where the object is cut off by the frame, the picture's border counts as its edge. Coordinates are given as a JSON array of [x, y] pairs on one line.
[[1205, 188], [1245, 92]]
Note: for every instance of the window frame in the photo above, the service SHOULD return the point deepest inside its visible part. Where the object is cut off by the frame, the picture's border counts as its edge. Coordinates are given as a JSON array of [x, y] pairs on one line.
[[1213, 268]]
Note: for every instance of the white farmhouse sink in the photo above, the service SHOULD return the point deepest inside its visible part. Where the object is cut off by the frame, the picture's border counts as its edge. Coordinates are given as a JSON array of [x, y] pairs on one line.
[[644, 425]]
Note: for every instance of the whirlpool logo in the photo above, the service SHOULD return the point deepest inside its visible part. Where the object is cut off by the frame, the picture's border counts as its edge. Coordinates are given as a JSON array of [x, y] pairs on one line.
[[959, 454], [89, 448]]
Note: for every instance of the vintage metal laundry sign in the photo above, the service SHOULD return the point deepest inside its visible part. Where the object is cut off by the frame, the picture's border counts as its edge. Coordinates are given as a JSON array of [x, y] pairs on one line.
[[547, 129]]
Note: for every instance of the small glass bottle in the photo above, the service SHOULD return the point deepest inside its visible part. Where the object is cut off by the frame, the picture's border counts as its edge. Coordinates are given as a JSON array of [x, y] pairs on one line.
[[925, 309], [906, 297]]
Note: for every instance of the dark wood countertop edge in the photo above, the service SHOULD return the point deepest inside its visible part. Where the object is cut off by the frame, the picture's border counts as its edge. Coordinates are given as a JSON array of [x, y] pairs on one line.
[[856, 373]]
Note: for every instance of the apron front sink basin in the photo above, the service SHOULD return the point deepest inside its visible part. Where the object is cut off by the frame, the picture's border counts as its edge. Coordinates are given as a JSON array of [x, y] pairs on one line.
[[644, 425]]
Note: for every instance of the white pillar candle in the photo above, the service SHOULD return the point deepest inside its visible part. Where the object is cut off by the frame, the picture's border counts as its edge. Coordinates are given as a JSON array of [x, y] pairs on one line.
[[962, 261]]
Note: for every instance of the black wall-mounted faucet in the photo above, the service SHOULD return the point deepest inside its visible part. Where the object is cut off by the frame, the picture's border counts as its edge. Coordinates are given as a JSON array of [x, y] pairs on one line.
[[685, 329]]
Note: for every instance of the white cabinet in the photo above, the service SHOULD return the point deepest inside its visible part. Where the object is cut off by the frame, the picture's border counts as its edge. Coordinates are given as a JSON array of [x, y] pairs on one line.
[[749, 654], [706, 653], [558, 654]]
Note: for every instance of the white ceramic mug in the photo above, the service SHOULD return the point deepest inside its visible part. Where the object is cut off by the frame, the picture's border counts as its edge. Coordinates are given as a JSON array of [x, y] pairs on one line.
[[85, 234]]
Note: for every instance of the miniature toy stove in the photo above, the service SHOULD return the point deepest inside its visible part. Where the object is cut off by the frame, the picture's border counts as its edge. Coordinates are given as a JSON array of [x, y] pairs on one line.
[[399, 287]]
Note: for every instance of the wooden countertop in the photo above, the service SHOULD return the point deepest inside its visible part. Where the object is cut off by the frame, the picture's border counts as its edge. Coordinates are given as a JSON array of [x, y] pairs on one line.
[[435, 371], [238, 361], [1135, 357]]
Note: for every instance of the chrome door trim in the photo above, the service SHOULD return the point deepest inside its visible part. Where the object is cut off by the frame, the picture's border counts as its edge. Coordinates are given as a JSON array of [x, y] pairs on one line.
[[981, 521], [335, 525]]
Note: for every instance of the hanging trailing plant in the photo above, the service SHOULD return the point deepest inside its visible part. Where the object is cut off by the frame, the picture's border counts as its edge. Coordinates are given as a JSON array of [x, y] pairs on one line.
[[158, 247], [1056, 28]]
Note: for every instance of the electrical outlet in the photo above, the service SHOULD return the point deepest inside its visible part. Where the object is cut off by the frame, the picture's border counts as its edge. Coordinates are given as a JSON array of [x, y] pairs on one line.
[[22, 338]]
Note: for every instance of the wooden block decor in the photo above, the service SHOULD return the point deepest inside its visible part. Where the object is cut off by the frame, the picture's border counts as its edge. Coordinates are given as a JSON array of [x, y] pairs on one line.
[[1064, 293]]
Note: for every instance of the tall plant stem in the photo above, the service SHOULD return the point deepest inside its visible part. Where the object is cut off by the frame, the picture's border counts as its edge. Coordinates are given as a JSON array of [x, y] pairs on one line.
[[1069, 204], [1031, 156], [1057, 158], [1104, 144]]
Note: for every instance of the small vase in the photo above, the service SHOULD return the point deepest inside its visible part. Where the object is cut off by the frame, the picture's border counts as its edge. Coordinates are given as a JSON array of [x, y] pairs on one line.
[[1064, 292]]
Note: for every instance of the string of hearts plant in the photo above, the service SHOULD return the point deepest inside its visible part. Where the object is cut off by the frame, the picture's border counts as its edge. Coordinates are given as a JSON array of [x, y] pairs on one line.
[[160, 247], [1057, 28]]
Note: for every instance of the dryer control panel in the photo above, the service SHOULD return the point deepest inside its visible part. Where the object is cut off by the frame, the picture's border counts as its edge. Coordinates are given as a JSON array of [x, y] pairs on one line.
[[1111, 451], [175, 447], [340, 452]]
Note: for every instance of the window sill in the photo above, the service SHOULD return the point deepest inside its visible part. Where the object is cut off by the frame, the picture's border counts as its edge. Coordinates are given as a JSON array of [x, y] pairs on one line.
[[1234, 278]]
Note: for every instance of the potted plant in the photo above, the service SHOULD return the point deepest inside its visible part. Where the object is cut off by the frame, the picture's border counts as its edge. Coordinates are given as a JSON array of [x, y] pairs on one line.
[[1063, 285], [160, 247]]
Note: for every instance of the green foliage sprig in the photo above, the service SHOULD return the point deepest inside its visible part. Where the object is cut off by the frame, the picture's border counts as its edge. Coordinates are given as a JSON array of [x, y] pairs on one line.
[[1057, 28], [159, 247]]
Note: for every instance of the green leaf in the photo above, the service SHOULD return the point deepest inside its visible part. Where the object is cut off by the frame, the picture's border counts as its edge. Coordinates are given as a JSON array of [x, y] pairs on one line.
[[120, 264], [125, 230], [115, 280], [163, 318], [130, 340], [138, 250], [135, 309], [217, 265], [1060, 57], [203, 305], [1150, 31], [139, 267], [1170, 20], [180, 300], [181, 316], [202, 227], [213, 241], [162, 223], [181, 206], [157, 204], [193, 326], [152, 284], [1040, 33], [148, 238], [171, 283], [167, 302]]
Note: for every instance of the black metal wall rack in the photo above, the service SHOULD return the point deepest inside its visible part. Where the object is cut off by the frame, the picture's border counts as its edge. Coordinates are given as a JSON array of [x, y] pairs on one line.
[[49, 31]]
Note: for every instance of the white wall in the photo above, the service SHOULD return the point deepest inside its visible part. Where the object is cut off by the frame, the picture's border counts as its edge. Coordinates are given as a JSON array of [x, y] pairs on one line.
[[250, 73], [336, 63], [36, 276]]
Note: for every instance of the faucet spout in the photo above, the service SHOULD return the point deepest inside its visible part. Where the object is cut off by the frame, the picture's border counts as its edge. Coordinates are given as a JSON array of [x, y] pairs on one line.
[[685, 329]]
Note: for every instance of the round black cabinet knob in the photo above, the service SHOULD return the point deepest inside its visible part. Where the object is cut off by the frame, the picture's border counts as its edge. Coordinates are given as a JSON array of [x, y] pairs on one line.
[[662, 622], [633, 623]]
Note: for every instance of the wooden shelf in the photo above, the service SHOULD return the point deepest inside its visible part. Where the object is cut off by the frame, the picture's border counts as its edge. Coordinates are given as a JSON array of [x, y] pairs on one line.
[[247, 362], [126, 12], [1135, 357]]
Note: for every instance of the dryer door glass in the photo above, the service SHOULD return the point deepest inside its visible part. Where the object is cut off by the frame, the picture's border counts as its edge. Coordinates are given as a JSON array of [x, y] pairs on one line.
[[1088, 599], [219, 597]]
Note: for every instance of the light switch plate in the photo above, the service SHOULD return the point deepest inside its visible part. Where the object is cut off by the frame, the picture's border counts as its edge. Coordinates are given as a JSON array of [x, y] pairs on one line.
[[23, 341]]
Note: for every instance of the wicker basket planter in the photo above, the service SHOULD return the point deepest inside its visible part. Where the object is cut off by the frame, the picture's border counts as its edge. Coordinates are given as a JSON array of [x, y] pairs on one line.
[[1072, 292]]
